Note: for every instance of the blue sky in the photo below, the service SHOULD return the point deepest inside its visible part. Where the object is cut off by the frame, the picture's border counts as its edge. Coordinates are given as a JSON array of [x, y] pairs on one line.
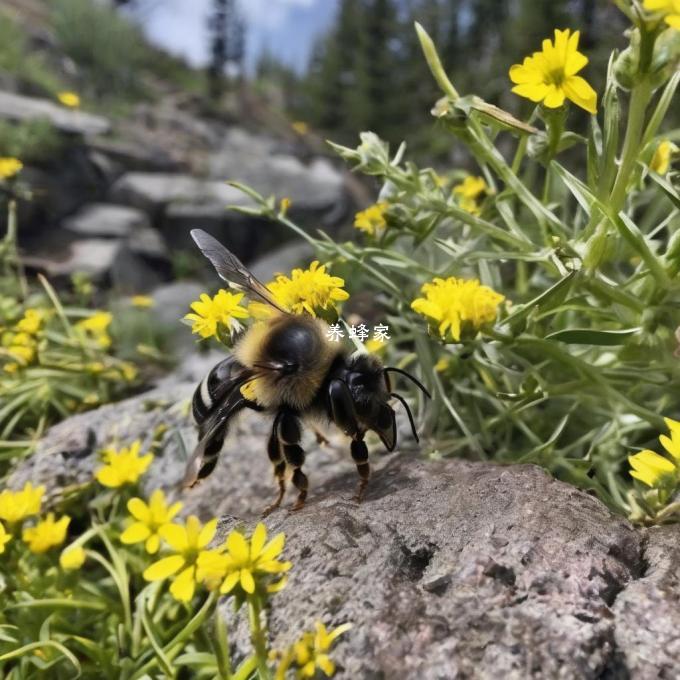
[[286, 28]]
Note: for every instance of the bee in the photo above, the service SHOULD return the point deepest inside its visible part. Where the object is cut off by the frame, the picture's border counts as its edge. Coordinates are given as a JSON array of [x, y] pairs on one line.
[[288, 368]]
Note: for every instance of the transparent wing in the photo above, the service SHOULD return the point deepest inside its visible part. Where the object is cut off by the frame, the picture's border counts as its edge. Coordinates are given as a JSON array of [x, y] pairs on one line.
[[231, 269]]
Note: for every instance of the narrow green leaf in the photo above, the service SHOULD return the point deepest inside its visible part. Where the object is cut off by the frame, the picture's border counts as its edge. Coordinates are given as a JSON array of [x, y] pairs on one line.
[[588, 336]]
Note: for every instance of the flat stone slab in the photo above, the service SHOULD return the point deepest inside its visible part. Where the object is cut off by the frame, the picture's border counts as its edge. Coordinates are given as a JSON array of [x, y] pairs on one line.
[[21, 108], [105, 219], [448, 569]]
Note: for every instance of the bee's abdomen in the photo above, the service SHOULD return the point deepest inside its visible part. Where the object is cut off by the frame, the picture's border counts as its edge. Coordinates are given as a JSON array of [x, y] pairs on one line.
[[219, 380]]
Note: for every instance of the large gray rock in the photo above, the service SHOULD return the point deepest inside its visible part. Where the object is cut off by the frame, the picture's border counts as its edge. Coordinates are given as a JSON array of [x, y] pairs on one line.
[[256, 161], [105, 219], [449, 569], [151, 191], [20, 108]]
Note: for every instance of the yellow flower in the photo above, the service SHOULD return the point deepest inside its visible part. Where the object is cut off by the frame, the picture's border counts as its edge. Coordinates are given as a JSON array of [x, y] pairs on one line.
[[72, 557], [453, 302], [311, 651], [4, 538], [672, 443], [468, 191], [308, 290], [223, 310], [17, 505], [69, 99], [300, 127], [150, 519], [661, 160], [244, 563], [128, 371], [31, 321], [670, 9], [372, 220], [374, 346], [188, 543], [95, 327], [142, 301], [123, 467], [10, 167], [549, 76], [650, 468], [285, 206], [46, 533]]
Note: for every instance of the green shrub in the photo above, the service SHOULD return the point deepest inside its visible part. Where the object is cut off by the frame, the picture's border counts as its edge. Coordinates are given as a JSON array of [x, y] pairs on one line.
[[110, 50]]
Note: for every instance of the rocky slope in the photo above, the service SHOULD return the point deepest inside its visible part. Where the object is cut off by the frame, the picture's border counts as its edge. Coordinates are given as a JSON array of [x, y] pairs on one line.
[[448, 569]]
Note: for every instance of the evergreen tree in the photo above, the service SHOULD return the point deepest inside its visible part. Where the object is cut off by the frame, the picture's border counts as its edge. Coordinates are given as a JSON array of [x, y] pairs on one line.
[[227, 43]]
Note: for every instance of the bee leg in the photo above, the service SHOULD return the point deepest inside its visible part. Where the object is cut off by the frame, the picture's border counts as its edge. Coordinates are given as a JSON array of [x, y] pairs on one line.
[[360, 457], [275, 456], [320, 438], [290, 434]]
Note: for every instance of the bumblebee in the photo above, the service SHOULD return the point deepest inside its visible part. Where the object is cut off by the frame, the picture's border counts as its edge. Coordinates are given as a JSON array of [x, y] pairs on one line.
[[287, 367]]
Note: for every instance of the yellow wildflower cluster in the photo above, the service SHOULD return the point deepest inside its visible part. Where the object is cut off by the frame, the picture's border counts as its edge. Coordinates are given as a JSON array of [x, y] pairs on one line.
[[124, 466], [69, 99], [468, 193], [221, 313], [20, 343], [456, 304], [312, 290], [236, 564], [669, 9], [310, 653], [655, 470], [9, 167], [46, 534], [17, 506], [549, 76], [372, 220], [95, 328]]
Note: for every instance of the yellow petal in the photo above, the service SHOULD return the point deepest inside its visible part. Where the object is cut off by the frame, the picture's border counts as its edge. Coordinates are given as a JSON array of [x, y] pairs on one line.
[[324, 662], [247, 581], [183, 585], [277, 585], [258, 540], [153, 543], [238, 547], [135, 533], [207, 533], [580, 92], [107, 476], [175, 535], [164, 568], [139, 509], [273, 548], [229, 582]]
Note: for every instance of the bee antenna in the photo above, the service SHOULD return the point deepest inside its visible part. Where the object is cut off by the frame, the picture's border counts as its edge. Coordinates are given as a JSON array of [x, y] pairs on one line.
[[410, 377], [408, 411]]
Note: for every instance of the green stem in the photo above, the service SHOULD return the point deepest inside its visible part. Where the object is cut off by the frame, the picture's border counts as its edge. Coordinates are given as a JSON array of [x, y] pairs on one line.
[[257, 636], [639, 100]]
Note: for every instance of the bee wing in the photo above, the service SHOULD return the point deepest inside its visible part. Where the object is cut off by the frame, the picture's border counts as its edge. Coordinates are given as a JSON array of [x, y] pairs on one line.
[[213, 431], [231, 269]]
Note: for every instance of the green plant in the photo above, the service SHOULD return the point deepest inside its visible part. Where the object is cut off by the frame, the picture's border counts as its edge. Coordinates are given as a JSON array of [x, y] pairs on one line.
[[540, 300], [31, 140], [99, 608], [18, 60], [105, 45]]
